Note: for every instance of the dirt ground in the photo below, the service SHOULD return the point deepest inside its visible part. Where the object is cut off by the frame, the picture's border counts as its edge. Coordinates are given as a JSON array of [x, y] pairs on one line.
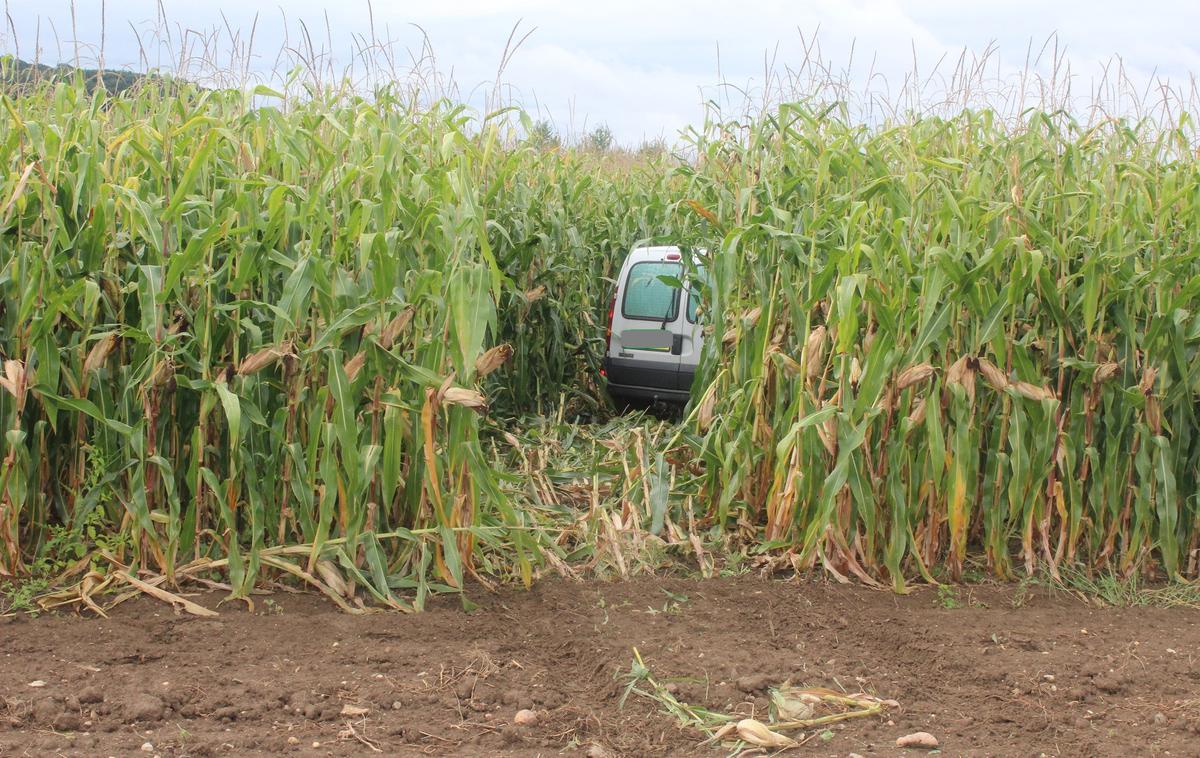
[[1004, 674]]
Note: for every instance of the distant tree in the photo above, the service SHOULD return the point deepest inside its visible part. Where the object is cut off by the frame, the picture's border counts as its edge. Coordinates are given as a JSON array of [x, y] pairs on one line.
[[652, 148], [544, 135], [600, 139], [16, 74]]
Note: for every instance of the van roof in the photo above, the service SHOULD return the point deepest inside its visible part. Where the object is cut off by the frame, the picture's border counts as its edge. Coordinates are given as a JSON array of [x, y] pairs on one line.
[[655, 252], [657, 249]]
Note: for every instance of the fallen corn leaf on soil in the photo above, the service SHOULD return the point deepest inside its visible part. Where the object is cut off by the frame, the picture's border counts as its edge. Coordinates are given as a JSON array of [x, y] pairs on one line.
[[1006, 673]]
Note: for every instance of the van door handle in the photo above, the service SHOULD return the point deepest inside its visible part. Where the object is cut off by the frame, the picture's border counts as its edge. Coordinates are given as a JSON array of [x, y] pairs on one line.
[[677, 344]]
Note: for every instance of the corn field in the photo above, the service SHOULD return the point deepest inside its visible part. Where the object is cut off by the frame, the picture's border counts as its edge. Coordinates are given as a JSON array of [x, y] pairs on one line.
[[952, 335], [249, 337]]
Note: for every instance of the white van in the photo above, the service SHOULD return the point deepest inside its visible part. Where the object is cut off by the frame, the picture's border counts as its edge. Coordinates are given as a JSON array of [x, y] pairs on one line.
[[654, 336]]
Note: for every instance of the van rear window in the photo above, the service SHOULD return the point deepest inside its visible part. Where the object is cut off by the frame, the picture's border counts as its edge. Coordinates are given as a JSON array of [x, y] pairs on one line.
[[649, 298]]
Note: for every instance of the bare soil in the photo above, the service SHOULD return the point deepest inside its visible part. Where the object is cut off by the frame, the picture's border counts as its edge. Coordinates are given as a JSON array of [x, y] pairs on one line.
[[1006, 674]]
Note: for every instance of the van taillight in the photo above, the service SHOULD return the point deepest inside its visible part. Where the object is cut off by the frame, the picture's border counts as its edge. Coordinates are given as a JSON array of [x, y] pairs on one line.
[[612, 309]]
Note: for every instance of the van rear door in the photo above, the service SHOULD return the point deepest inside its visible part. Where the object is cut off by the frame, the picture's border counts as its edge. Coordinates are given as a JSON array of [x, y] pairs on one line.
[[645, 348], [692, 334]]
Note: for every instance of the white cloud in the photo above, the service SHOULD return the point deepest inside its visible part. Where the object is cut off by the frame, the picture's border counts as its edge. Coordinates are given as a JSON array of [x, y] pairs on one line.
[[644, 67], [635, 101]]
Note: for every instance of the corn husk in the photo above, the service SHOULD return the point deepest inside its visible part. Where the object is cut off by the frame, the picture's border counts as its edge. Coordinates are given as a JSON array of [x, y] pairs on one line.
[[827, 432], [814, 352], [791, 706], [759, 734], [333, 578], [395, 327], [916, 416], [705, 413], [259, 360], [722, 733], [1032, 391], [785, 361], [869, 340], [16, 381], [99, 352], [493, 359], [163, 374], [353, 366], [917, 740], [992, 374], [962, 374], [1153, 415], [913, 375], [1105, 371], [246, 158], [467, 398], [1148, 376]]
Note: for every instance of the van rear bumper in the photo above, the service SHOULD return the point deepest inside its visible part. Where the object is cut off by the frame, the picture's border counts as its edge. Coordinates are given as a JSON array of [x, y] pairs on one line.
[[635, 380]]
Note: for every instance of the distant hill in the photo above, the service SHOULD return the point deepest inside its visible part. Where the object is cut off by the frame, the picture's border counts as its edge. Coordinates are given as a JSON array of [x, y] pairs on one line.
[[15, 72]]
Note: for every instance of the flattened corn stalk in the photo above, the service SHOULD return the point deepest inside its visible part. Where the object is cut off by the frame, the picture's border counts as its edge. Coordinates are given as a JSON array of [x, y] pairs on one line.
[[719, 726]]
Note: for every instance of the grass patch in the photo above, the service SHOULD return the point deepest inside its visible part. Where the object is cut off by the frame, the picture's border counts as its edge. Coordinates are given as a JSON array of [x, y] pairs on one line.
[[1112, 591]]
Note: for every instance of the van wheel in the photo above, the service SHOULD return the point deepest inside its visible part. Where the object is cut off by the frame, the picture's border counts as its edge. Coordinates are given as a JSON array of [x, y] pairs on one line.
[[660, 409], [623, 405], [665, 411]]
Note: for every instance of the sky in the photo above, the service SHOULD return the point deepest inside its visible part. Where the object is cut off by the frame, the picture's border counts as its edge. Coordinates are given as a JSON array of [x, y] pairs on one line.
[[646, 69]]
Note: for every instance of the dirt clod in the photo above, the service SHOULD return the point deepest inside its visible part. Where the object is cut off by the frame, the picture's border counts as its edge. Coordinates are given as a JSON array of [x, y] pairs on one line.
[[228, 713], [45, 711], [514, 697], [756, 683], [1111, 683], [330, 712], [89, 695], [510, 734], [144, 707]]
